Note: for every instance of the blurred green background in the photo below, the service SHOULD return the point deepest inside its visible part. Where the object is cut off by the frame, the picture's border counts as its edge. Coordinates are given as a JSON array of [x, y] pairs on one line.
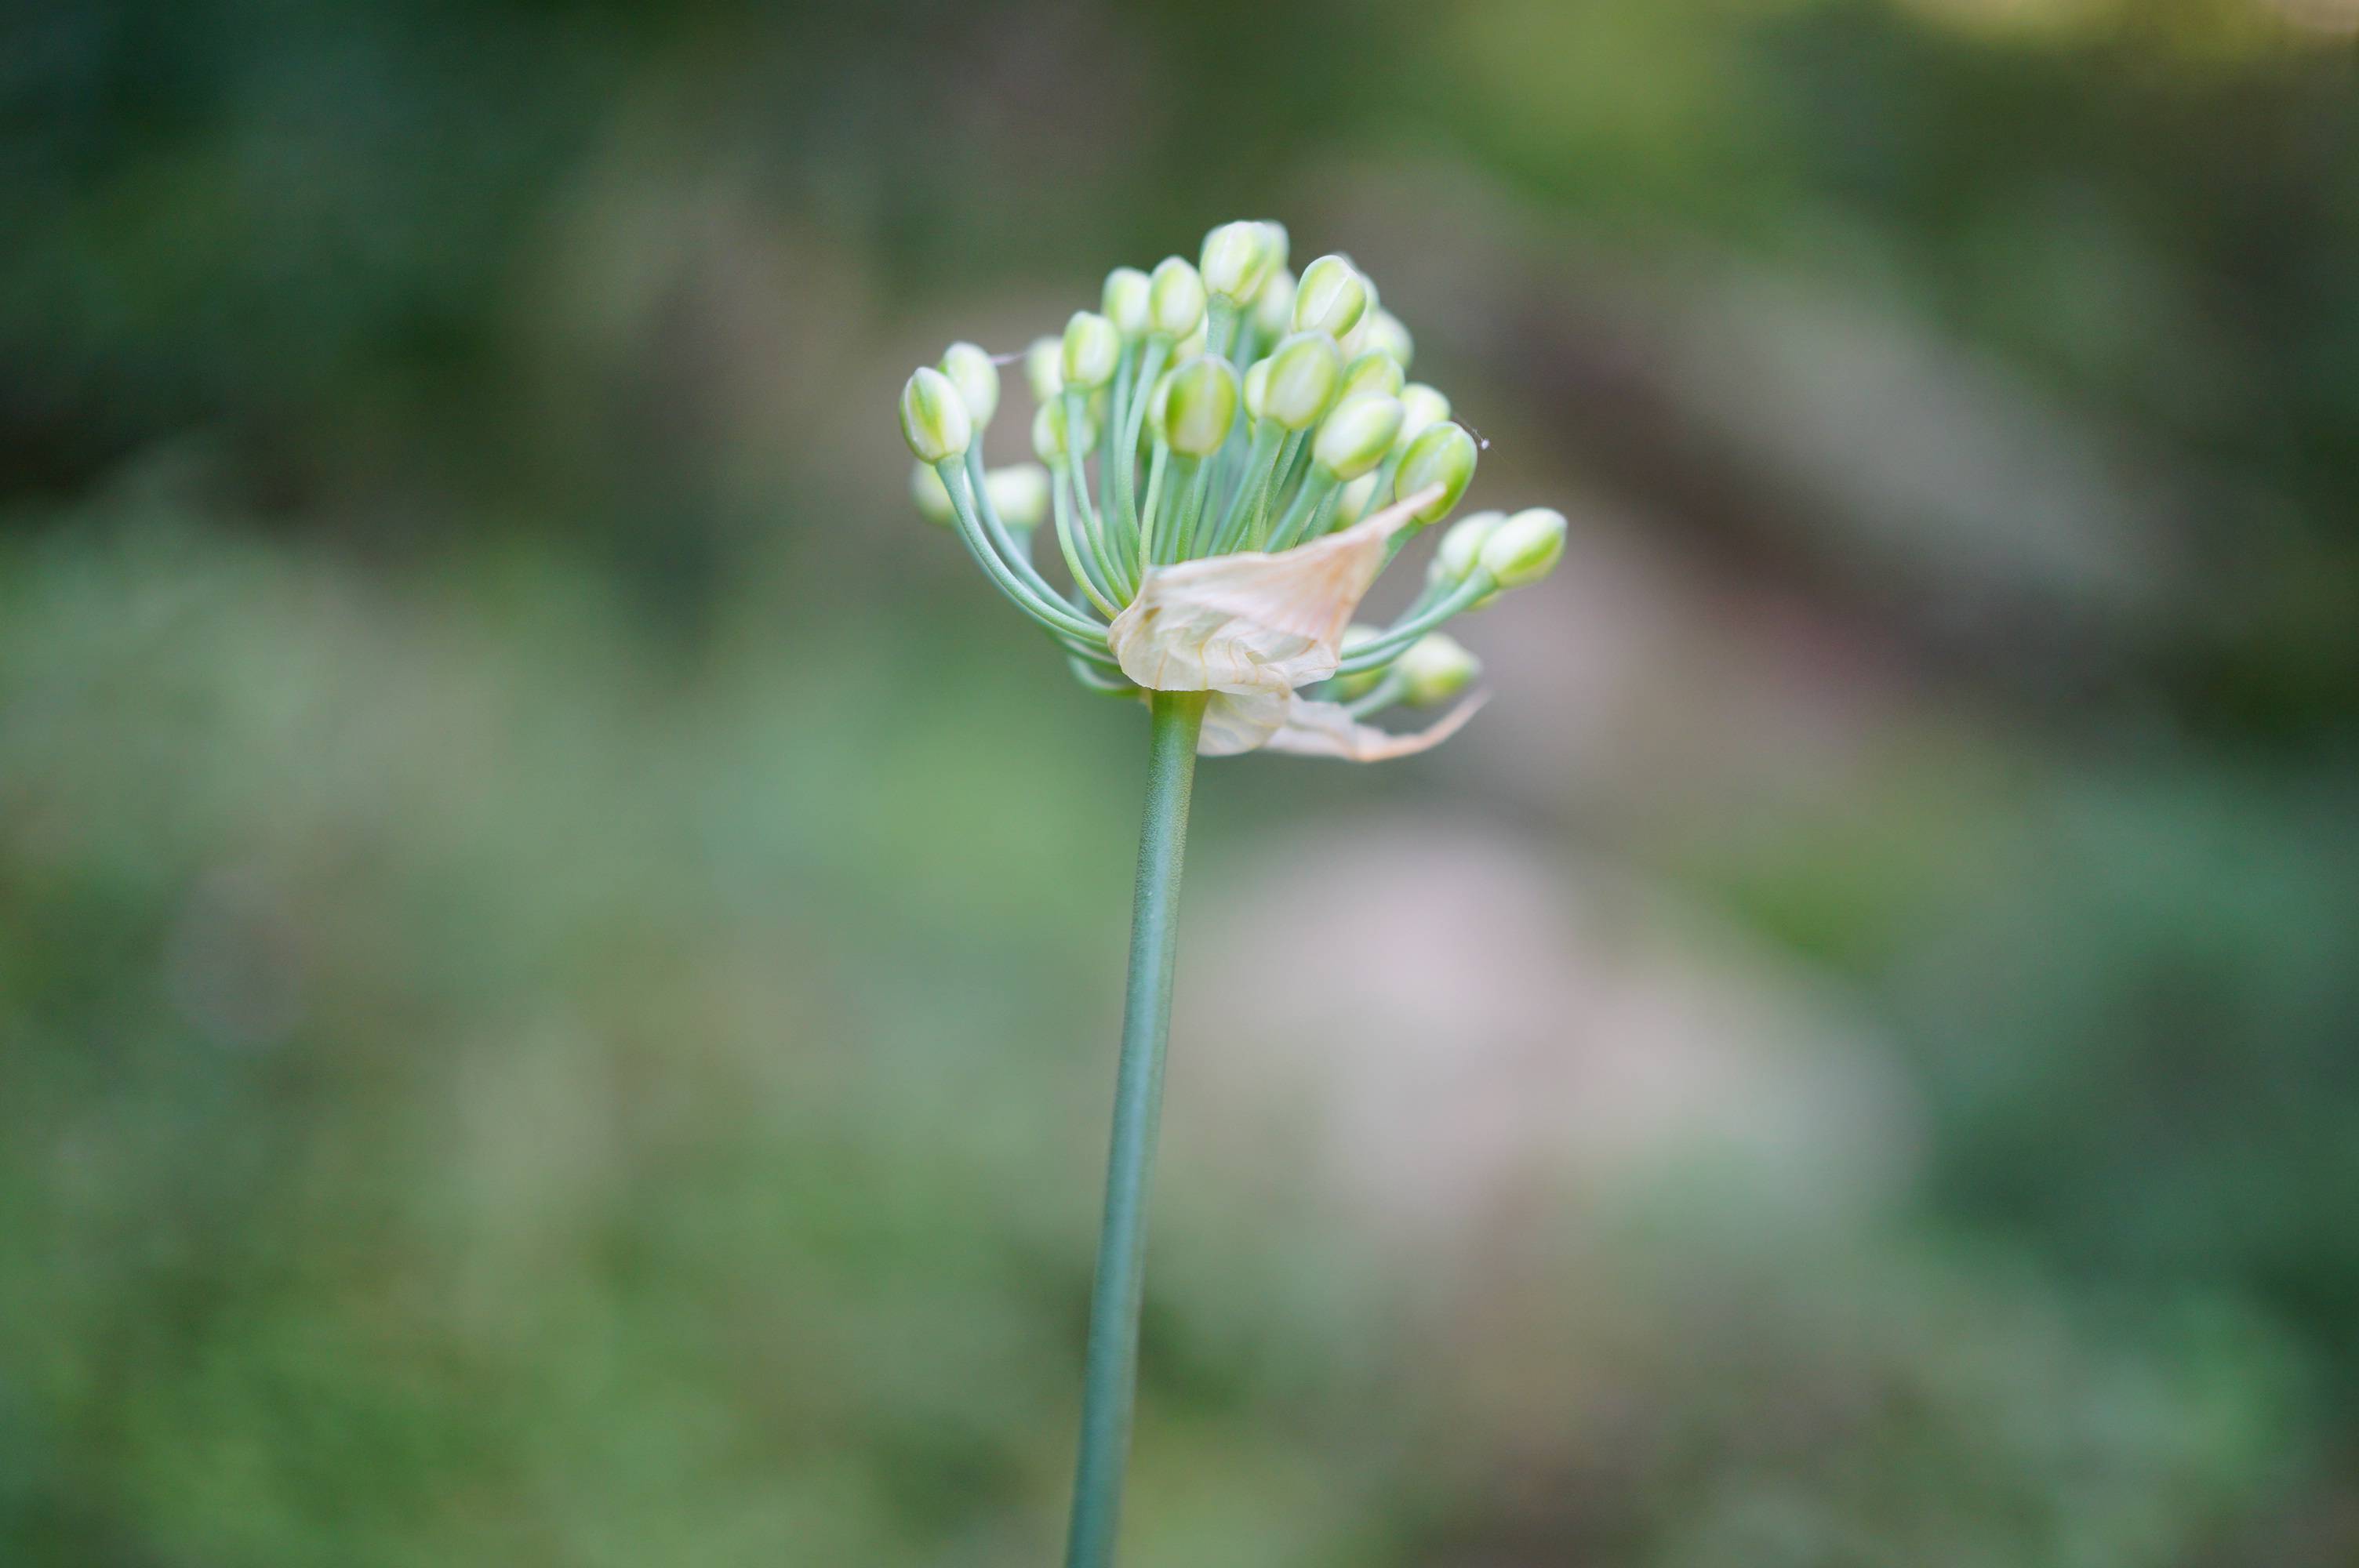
[[560, 950]]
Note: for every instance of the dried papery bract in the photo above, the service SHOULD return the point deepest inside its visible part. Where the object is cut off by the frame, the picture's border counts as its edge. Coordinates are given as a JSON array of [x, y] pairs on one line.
[[1254, 623], [1328, 729]]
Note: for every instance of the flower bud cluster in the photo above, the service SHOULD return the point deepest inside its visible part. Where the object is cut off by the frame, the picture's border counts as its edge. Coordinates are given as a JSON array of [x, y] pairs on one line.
[[1215, 407]]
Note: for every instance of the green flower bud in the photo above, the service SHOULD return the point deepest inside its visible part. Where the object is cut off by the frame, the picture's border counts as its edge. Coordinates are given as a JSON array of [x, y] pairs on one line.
[[1329, 297], [1257, 387], [925, 489], [1445, 455], [1358, 341], [1195, 343], [1198, 403], [934, 419], [1385, 335], [1421, 409], [1236, 261], [1352, 503], [1279, 242], [1355, 437], [1049, 442], [1360, 683], [1434, 669], [1304, 372], [1044, 368], [1019, 493], [977, 379], [1463, 546], [1373, 372], [1124, 302], [1175, 298], [1526, 548], [1093, 349], [1274, 307]]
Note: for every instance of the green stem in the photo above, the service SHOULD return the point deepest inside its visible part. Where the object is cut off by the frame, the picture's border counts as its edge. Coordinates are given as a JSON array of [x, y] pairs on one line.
[[1048, 611], [1316, 489], [1088, 574], [1117, 406], [1274, 488], [1112, 1378], [1191, 510], [1134, 420], [1014, 545], [1383, 650], [1379, 697], [1220, 330], [1147, 541], [1267, 439], [1092, 514]]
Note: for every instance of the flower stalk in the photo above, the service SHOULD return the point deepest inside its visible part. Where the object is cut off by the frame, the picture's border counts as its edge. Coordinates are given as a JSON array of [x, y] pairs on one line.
[[1110, 1377]]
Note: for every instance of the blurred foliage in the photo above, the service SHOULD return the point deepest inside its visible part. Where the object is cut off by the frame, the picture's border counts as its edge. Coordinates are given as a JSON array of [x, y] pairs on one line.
[[553, 954]]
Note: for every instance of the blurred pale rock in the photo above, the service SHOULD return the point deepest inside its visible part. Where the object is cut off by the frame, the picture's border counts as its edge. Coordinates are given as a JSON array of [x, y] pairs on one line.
[[1448, 1023]]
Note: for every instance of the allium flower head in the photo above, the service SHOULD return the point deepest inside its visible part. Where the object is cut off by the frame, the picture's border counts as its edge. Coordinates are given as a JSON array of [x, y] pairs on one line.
[[1228, 457]]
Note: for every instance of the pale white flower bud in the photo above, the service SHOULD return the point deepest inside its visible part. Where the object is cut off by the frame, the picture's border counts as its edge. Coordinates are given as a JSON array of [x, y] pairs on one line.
[[1329, 297], [1257, 387], [1124, 302], [1044, 368], [1019, 493], [1352, 503], [1421, 409], [1463, 546], [1049, 435], [1175, 298], [926, 490], [1361, 337], [977, 379], [1279, 242], [1384, 334], [1093, 348], [1357, 435], [934, 419], [1443, 455], [1274, 307], [1196, 405], [1236, 261], [1434, 669], [1526, 548], [1373, 372], [1304, 372]]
